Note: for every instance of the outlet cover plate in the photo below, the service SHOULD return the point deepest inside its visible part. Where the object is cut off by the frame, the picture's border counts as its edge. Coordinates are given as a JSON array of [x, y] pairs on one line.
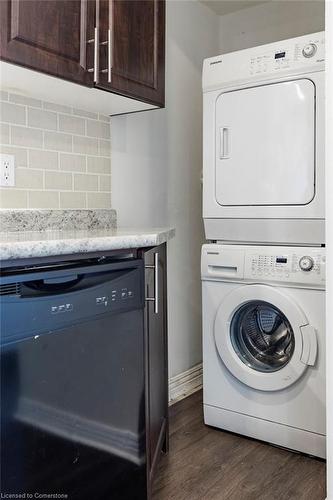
[[7, 170]]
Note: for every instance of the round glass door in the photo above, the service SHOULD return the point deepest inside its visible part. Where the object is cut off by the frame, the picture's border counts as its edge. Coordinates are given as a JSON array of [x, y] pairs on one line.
[[262, 336]]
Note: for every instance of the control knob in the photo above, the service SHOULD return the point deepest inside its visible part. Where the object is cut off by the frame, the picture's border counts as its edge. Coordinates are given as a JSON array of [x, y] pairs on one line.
[[306, 263], [309, 50]]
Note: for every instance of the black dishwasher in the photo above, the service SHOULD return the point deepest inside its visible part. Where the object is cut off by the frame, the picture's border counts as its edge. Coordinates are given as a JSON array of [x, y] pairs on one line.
[[72, 381]]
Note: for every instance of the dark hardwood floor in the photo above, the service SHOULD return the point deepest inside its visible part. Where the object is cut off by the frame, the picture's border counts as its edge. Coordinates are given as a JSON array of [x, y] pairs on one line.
[[209, 464]]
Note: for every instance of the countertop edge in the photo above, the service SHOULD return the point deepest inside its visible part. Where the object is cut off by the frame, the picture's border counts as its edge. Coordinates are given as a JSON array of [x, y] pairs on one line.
[[11, 250]]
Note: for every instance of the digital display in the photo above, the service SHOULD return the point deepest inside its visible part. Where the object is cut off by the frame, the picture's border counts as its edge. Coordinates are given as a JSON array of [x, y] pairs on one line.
[[279, 55], [281, 260]]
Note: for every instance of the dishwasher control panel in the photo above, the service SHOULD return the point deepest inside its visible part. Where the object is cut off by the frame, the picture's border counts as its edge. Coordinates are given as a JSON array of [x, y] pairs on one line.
[[51, 301], [116, 294], [110, 298]]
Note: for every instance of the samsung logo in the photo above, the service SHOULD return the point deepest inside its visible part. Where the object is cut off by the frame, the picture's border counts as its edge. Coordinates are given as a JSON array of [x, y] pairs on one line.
[[216, 62]]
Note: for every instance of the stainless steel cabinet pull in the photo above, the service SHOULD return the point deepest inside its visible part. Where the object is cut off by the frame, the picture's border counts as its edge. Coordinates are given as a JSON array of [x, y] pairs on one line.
[[109, 56], [96, 54], [108, 43], [156, 298]]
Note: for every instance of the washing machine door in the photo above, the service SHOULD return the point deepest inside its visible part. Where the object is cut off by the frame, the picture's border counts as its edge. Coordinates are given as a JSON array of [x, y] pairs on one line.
[[264, 338]]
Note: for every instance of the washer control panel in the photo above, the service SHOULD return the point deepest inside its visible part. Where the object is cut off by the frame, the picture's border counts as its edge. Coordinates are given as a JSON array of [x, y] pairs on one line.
[[289, 264], [306, 263], [309, 50]]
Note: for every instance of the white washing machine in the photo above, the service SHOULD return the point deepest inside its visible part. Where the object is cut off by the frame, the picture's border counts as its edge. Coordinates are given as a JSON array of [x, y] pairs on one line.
[[264, 343], [263, 143]]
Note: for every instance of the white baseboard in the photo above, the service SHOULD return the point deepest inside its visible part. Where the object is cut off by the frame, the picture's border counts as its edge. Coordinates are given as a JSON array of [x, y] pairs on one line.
[[185, 384]]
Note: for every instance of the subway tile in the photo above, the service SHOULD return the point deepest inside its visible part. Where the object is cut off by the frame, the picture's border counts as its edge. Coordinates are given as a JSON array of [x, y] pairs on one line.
[[21, 155], [104, 118], [57, 107], [42, 119], [98, 129], [98, 165], [105, 183], [72, 162], [43, 199], [3, 95], [27, 178], [98, 200], [85, 182], [104, 148], [12, 113], [72, 124], [85, 114], [24, 136], [72, 200], [4, 133], [58, 180], [85, 145], [47, 160], [13, 198], [27, 101], [57, 141]]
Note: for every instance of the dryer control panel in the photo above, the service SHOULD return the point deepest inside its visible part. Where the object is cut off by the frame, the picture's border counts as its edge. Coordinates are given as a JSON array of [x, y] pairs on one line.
[[292, 266], [303, 54], [288, 54]]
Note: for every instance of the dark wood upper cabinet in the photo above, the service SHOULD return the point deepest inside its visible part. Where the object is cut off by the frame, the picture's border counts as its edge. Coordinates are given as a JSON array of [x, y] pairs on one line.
[[136, 62], [114, 45], [49, 36]]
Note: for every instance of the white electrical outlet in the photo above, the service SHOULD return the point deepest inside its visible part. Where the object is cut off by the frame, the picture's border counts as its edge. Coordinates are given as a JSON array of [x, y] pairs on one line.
[[7, 170]]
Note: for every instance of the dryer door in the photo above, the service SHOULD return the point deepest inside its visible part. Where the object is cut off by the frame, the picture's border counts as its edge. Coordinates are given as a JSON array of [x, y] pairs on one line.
[[263, 337], [265, 145]]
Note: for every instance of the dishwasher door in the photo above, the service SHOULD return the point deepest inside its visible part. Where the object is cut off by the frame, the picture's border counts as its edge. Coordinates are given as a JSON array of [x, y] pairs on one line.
[[72, 382]]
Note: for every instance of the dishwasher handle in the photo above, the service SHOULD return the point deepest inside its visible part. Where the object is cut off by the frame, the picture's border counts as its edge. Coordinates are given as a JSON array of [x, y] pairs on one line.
[[70, 283], [55, 285], [57, 281]]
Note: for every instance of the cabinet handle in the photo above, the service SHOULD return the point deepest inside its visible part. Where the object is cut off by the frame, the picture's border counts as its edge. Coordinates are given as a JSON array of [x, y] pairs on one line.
[[156, 298], [109, 56], [95, 42], [108, 69]]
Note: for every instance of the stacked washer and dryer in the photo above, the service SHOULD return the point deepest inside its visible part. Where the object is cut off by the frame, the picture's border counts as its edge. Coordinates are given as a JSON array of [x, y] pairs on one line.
[[263, 272]]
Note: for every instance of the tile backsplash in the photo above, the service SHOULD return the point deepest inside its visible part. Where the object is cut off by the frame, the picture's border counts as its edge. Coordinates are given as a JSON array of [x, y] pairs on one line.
[[62, 155]]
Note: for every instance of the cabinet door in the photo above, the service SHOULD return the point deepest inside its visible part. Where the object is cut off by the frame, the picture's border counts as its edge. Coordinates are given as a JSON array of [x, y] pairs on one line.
[[49, 36], [156, 357], [134, 31]]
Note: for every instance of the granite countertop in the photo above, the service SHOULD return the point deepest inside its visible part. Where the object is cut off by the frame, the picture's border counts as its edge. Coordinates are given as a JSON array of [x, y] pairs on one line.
[[27, 244], [44, 233]]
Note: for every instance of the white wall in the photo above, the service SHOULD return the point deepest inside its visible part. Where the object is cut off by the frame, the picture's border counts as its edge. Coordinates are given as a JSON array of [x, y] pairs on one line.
[[270, 22], [156, 168], [156, 155], [329, 236]]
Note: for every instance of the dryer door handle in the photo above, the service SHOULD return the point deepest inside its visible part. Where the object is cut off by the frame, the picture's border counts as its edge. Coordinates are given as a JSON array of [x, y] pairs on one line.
[[309, 351], [225, 143]]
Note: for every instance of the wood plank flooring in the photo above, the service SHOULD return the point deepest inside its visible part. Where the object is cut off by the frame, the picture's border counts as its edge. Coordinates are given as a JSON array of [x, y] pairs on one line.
[[209, 464]]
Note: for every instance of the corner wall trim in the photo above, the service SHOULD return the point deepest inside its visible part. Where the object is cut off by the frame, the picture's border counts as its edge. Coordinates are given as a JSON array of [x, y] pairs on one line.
[[185, 384]]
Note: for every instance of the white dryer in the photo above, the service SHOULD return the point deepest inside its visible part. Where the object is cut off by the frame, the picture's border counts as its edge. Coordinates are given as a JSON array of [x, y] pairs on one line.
[[263, 143], [264, 343]]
